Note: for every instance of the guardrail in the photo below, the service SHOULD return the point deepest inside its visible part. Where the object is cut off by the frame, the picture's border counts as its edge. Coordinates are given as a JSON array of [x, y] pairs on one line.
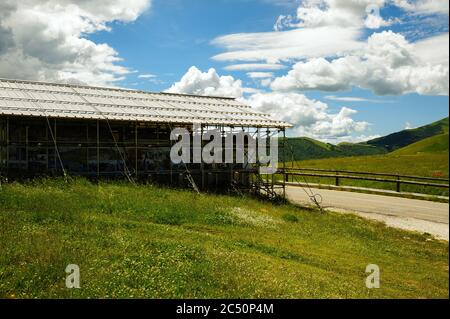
[[338, 175]]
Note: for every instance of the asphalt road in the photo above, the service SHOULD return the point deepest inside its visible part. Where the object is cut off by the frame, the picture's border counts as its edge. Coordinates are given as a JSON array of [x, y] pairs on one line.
[[413, 214]]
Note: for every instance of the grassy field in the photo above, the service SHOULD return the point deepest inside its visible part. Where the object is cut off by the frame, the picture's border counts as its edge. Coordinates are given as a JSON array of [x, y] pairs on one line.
[[434, 144], [148, 242], [403, 162]]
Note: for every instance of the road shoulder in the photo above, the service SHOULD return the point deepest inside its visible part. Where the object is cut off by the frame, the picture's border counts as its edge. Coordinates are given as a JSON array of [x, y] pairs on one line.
[[408, 214], [438, 230]]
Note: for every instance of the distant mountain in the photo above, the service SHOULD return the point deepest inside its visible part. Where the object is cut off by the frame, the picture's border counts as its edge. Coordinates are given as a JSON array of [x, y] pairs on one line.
[[403, 138], [429, 138]]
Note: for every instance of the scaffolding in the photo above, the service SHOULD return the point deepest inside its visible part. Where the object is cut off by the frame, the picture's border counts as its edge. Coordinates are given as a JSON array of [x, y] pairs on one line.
[[49, 129], [32, 147]]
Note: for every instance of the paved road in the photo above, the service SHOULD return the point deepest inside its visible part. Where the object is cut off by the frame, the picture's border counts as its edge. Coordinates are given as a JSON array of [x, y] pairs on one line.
[[414, 214]]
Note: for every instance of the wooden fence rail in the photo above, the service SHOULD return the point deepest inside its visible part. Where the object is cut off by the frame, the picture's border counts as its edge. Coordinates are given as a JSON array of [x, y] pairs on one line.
[[396, 179]]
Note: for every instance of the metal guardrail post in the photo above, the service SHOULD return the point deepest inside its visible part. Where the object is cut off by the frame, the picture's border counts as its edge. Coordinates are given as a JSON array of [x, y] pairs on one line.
[[398, 184]]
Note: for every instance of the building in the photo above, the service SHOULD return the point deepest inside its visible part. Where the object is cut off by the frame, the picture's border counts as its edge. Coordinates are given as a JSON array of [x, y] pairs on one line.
[[58, 129]]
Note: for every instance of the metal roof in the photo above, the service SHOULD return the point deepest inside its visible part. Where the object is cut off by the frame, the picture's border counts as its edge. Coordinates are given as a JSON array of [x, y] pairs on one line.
[[26, 98]]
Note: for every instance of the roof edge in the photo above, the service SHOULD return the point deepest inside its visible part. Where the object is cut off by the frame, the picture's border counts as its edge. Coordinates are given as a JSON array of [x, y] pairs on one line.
[[108, 88], [277, 123]]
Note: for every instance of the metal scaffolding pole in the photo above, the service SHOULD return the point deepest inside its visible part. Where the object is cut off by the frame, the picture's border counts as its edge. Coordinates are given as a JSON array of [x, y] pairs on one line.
[[54, 141], [201, 162], [98, 150], [46, 148], [7, 146], [284, 163], [26, 147], [87, 149], [171, 163], [136, 149]]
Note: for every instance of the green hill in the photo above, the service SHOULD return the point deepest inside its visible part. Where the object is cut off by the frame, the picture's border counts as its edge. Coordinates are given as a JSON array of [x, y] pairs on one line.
[[427, 157], [403, 138], [303, 148], [434, 144], [431, 137], [359, 149]]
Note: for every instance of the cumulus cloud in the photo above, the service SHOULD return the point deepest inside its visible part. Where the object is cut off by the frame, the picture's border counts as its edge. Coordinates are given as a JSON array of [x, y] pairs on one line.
[[207, 83], [310, 118], [46, 38], [388, 64], [424, 6], [6, 39], [339, 13], [324, 29], [361, 138], [6, 36], [433, 50]]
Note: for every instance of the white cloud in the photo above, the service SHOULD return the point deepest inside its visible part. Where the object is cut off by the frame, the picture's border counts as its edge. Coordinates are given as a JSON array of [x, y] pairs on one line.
[[259, 75], [325, 38], [352, 99], [388, 64], [339, 13], [207, 83], [273, 47], [321, 28], [375, 21], [361, 138], [254, 66], [320, 74], [284, 22], [146, 76], [310, 118], [424, 6], [47, 39], [434, 50]]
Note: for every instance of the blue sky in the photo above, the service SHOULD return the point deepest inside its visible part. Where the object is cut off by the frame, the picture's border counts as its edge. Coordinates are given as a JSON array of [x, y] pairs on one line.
[[338, 75], [175, 35], [188, 28]]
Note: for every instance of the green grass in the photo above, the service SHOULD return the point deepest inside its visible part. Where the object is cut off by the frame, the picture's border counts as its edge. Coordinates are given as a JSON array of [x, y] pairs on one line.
[[148, 242], [434, 144]]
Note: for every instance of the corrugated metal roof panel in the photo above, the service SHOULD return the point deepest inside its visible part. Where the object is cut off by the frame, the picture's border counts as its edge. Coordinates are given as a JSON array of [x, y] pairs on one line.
[[72, 101]]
